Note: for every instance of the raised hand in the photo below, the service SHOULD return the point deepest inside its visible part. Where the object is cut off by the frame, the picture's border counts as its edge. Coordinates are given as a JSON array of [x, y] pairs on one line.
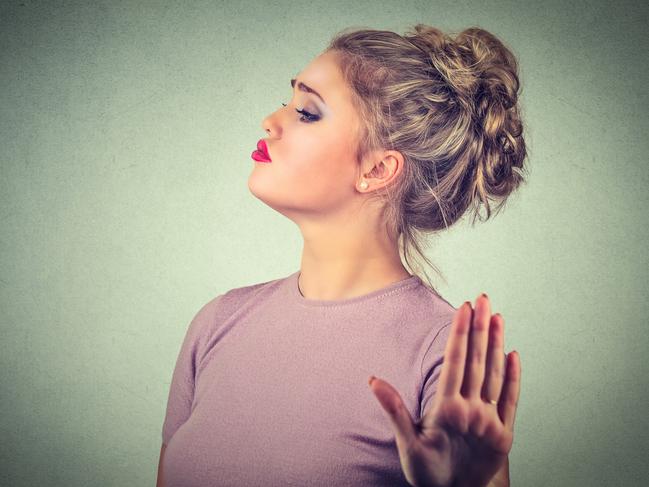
[[464, 438]]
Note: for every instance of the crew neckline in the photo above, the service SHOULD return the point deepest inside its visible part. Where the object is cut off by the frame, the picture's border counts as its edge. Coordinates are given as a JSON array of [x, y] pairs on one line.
[[394, 287]]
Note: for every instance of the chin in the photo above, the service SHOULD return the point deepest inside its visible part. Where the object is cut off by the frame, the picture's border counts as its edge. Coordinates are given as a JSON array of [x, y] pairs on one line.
[[257, 189]]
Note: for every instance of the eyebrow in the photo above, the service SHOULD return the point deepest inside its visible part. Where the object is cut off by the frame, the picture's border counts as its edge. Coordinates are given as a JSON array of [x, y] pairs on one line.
[[301, 86]]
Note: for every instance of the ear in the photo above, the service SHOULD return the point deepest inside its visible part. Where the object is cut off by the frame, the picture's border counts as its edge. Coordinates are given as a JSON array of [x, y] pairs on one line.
[[382, 168]]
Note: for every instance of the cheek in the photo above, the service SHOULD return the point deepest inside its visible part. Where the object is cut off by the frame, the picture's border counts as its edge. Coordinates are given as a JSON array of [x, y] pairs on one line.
[[323, 152], [323, 166], [307, 172]]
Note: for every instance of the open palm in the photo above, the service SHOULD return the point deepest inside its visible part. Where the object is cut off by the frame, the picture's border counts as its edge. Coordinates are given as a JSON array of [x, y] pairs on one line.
[[463, 438]]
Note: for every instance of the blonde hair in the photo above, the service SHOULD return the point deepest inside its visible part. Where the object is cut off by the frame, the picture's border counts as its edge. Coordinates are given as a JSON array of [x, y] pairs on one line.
[[449, 105]]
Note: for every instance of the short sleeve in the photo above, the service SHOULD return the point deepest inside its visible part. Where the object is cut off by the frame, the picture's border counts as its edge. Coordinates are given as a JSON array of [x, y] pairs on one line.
[[431, 367], [181, 389]]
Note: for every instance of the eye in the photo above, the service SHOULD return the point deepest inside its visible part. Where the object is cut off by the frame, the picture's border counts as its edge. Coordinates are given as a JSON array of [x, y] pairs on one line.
[[306, 116]]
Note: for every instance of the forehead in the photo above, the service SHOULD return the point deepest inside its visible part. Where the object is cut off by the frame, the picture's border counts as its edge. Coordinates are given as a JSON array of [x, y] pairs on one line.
[[323, 75]]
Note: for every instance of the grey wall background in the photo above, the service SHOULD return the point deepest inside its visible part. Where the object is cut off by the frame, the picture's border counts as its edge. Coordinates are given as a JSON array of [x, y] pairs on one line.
[[126, 130]]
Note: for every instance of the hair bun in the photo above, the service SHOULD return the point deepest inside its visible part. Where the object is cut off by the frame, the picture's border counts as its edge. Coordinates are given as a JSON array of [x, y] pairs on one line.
[[494, 63], [482, 74], [474, 63], [495, 105]]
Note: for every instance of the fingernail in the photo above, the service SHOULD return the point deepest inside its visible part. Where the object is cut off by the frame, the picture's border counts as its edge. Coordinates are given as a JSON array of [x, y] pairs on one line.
[[371, 379], [485, 295]]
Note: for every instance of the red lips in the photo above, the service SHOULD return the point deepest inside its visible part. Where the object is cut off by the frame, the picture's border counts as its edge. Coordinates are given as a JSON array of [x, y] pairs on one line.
[[261, 154]]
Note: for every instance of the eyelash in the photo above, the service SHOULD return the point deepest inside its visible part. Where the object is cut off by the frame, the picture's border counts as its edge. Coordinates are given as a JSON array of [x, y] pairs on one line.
[[310, 117]]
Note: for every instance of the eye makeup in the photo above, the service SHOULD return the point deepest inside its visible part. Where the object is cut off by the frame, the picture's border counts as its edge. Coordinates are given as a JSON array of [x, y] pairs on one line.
[[306, 117]]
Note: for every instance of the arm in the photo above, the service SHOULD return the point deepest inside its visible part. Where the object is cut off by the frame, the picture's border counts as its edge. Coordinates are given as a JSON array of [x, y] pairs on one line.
[[160, 481]]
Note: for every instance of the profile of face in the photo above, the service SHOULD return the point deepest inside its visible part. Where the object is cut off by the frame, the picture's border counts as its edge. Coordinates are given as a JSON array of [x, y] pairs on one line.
[[313, 173]]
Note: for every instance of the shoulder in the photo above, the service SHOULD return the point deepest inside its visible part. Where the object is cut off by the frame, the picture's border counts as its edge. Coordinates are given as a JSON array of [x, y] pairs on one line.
[[434, 314], [239, 297], [429, 308], [224, 305], [441, 304]]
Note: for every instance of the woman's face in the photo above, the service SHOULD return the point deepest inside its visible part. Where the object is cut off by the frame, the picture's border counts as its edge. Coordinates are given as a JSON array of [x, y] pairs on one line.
[[313, 172]]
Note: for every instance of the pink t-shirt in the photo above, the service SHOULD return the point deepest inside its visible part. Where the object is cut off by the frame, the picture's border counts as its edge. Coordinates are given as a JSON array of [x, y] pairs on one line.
[[270, 388]]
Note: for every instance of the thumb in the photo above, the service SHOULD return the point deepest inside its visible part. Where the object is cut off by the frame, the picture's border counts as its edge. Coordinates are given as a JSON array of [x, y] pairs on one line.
[[397, 412]]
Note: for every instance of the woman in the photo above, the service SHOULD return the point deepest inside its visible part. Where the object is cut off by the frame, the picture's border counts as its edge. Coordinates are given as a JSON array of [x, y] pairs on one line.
[[386, 137]]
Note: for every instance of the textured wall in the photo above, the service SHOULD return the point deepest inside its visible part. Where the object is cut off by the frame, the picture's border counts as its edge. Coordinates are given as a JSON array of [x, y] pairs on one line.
[[125, 137]]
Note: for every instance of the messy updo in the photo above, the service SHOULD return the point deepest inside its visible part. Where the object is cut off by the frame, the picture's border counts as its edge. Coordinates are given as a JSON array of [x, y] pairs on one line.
[[449, 105]]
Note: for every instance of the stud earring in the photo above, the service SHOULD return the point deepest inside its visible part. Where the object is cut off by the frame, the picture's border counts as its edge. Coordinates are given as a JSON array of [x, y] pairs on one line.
[[363, 185]]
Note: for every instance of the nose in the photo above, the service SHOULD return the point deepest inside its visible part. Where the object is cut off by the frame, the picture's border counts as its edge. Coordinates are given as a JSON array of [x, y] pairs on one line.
[[267, 123], [273, 122]]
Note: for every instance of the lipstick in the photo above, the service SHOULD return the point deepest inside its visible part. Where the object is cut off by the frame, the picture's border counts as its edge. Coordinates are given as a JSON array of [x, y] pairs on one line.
[[261, 154]]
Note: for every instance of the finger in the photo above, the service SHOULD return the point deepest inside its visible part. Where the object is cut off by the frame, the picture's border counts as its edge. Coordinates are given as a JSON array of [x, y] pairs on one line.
[[451, 377], [495, 369], [474, 374], [397, 413], [511, 390]]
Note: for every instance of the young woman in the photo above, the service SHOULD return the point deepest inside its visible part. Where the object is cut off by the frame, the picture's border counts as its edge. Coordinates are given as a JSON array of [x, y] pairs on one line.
[[387, 137]]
